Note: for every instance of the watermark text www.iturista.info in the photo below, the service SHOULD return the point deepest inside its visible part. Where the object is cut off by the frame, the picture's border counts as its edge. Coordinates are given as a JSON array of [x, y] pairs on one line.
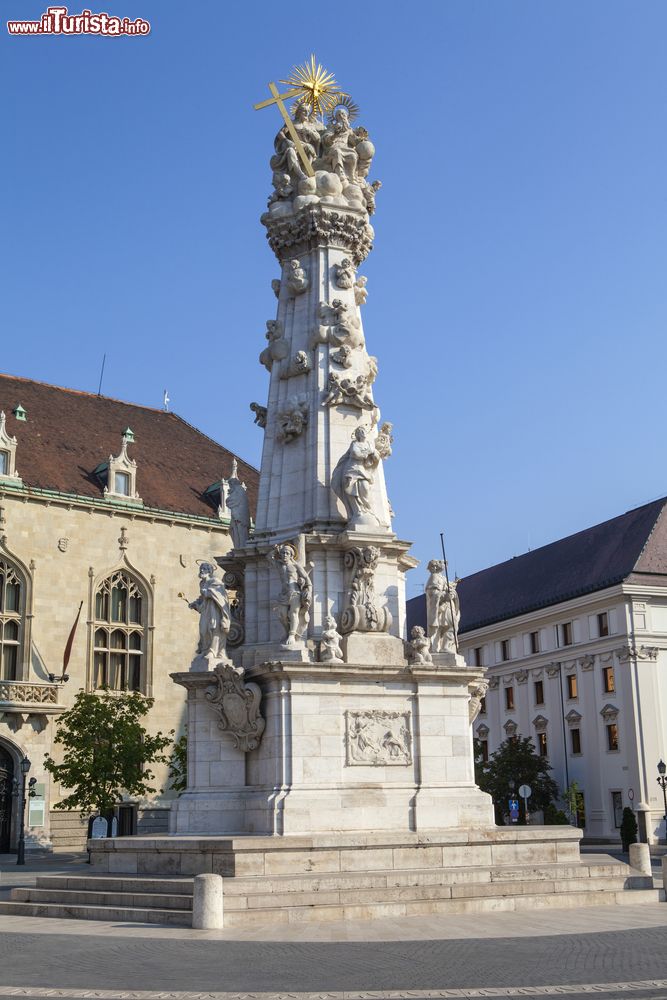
[[57, 21]]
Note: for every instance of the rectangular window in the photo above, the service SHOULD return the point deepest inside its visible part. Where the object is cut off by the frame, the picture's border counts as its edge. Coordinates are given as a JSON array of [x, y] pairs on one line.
[[617, 808], [505, 649], [509, 698], [575, 740], [603, 624], [477, 656], [542, 744], [608, 682], [534, 642], [482, 707], [571, 681], [612, 736], [565, 634], [122, 483], [539, 693], [4, 463], [484, 750]]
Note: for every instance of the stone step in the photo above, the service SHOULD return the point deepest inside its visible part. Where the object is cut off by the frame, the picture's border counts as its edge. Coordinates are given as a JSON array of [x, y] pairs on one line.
[[140, 900], [176, 918], [364, 911], [394, 894], [438, 876], [121, 883]]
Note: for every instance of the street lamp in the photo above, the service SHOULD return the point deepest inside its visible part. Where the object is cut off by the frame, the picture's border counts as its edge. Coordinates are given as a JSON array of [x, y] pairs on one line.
[[662, 781], [20, 854]]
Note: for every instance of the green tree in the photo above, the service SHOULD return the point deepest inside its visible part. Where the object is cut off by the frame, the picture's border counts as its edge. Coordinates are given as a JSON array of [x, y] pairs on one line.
[[515, 761], [106, 751], [573, 797], [178, 765], [628, 828]]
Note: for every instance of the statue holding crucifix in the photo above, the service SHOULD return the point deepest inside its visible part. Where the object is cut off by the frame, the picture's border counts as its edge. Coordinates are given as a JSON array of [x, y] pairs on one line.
[[319, 155]]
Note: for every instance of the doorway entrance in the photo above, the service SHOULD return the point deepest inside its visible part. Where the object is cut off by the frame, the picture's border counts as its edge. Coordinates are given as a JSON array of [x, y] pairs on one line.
[[6, 789]]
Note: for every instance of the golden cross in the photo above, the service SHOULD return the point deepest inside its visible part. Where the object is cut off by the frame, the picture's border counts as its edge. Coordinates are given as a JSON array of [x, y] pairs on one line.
[[278, 99]]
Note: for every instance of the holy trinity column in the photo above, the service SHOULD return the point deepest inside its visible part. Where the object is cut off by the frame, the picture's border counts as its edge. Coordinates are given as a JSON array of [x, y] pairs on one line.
[[323, 548]]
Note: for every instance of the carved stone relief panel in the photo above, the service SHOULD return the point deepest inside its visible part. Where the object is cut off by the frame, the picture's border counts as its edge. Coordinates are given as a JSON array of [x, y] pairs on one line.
[[377, 738]]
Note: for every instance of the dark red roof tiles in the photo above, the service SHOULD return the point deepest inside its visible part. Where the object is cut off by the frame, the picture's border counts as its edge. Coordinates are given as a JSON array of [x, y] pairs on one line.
[[68, 434]]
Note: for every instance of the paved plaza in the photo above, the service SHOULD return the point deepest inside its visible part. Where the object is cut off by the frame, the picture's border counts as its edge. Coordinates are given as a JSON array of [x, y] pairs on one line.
[[608, 951]]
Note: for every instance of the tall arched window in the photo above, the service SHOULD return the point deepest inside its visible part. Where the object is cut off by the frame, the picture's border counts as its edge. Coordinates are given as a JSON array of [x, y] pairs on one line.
[[12, 609], [119, 634]]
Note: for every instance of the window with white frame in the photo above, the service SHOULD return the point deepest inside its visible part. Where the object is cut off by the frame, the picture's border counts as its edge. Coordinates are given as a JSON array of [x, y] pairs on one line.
[[119, 645], [565, 634], [12, 605]]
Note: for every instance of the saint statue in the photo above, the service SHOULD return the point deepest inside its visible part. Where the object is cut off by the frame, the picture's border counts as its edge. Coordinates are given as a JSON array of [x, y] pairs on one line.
[[214, 614], [286, 158], [338, 152], [239, 508], [442, 609], [352, 479], [296, 592]]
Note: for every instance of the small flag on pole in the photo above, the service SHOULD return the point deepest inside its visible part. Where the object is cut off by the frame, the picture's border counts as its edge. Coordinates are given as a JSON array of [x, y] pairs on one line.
[[70, 640]]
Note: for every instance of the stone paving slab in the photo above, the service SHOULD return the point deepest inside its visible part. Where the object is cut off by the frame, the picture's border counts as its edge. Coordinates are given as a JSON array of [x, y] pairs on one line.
[[625, 989]]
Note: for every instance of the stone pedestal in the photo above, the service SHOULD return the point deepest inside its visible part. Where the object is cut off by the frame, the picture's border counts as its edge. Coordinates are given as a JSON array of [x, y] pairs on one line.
[[346, 747]]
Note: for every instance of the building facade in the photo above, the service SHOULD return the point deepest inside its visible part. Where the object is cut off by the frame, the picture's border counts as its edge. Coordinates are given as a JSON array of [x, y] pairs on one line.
[[104, 506], [573, 637]]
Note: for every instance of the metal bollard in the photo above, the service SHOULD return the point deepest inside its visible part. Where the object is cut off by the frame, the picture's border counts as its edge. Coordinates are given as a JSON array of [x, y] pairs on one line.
[[207, 904], [640, 858]]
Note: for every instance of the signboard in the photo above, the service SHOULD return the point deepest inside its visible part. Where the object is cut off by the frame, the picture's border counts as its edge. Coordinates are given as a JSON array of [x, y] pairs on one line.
[[36, 806], [525, 791], [514, 810]]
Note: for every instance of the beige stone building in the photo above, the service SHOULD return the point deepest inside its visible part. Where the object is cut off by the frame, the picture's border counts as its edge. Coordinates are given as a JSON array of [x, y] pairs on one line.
[[107, 505]]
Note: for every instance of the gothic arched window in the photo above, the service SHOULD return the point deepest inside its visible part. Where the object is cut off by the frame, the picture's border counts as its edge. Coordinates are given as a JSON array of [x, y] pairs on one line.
[[119, 642], [12, 610]]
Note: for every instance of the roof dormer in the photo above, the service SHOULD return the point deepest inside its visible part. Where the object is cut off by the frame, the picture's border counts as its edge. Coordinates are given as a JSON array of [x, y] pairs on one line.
[[8, 474], [121, 473]]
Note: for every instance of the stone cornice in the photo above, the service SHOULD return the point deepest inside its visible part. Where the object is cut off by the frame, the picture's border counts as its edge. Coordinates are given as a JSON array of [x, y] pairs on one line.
[[315, 226], [110, 508]]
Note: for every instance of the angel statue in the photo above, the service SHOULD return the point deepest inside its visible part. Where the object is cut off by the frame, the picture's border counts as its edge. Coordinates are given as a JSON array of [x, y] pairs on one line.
[[293, 605], [214, 614]]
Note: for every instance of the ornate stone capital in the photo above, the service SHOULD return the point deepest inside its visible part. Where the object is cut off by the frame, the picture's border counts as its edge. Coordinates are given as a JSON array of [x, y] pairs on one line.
[[587, 662], [477, 691], [315, 226], [521, 676], [361, 613]]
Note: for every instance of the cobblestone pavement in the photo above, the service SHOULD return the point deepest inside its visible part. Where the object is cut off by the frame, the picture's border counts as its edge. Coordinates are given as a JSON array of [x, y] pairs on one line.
[[109, 963]]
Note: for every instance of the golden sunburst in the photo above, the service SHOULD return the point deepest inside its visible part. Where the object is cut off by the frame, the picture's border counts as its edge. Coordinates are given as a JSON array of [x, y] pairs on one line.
[[316, 86]]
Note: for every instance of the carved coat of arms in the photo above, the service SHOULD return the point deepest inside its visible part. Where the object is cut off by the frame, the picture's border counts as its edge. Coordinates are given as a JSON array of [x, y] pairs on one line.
[[237, 705]]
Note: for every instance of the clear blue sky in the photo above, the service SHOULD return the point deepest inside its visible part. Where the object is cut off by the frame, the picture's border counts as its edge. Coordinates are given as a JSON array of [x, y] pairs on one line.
[[517, 292]]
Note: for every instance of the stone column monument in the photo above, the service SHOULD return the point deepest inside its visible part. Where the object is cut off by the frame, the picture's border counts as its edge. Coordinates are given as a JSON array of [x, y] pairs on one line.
[[327, 719]]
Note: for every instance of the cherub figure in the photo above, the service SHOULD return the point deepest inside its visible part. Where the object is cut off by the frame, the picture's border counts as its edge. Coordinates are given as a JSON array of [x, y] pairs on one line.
[[419, 646], [330, 649]]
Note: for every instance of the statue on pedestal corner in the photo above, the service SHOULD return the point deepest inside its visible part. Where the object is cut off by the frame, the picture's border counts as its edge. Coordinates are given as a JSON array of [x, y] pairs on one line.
[[295, 597], [214, 617]]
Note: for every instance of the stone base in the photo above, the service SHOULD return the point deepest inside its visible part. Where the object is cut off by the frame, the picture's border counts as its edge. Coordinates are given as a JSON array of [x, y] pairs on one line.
[[320, 810], [346, 747], [337, 852], [373, 648]]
